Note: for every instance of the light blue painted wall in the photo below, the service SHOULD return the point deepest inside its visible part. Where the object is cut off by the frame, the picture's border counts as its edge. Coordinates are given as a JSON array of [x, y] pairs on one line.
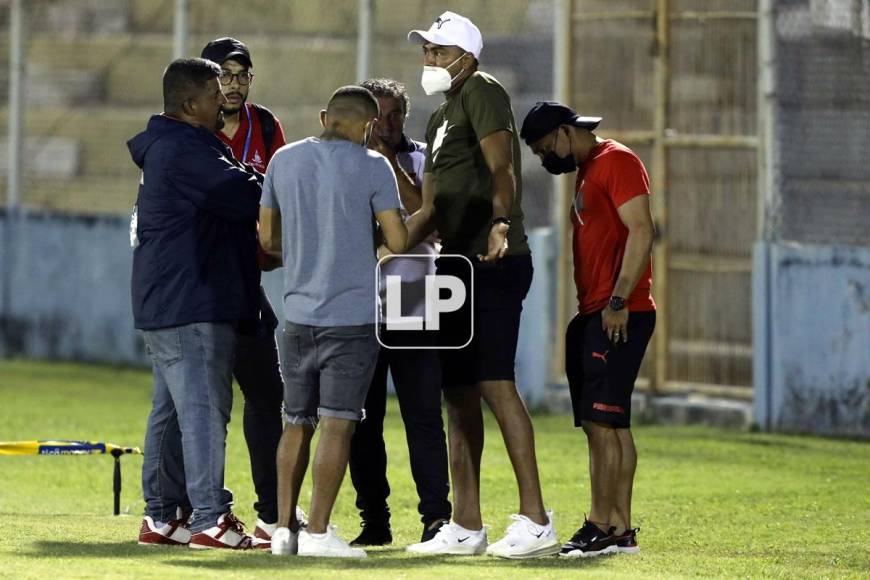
[[812, 338], [69, 289]]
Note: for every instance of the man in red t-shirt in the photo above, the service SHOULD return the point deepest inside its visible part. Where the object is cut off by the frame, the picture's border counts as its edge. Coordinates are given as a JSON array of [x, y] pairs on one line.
[[254, 134], [606, 341]]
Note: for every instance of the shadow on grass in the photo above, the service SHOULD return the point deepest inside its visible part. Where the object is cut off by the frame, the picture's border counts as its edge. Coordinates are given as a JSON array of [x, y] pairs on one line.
[[384, 560], [124, 549], [390, 558]]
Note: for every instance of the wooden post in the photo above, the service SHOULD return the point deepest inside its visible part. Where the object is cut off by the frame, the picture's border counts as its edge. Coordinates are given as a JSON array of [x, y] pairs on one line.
[[563, 86], [659, 190]]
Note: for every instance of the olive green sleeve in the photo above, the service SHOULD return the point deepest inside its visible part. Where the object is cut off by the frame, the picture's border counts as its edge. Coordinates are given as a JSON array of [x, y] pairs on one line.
[[488, 108]]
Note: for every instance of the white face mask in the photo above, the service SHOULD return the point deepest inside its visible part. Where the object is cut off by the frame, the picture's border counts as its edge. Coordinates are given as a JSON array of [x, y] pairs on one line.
[[437, 79]]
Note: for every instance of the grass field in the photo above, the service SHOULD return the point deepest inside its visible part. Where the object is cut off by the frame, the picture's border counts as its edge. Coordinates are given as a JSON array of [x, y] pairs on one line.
[[709, 502]]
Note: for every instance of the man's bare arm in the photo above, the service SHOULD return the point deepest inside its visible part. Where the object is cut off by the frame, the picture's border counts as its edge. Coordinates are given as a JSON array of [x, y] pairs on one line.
[[270, 231], [421, 224], [393, 229], [409, 193], [497, 149], [636, 215]]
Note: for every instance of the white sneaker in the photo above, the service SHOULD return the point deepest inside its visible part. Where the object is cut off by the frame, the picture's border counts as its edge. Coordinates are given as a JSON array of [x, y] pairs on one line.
[[262, 538], [229, 533], [327, 545], [284, 542], [301, 517], [453, 539], [526, 539], [172, 533]]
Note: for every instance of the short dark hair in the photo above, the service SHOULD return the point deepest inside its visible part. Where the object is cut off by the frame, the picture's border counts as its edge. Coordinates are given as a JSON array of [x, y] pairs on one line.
[[184, 78], [353, 99], [389, 88]]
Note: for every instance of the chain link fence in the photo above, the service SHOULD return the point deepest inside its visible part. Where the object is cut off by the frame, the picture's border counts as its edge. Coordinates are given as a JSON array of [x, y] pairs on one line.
[[822, 142], [93, 70]]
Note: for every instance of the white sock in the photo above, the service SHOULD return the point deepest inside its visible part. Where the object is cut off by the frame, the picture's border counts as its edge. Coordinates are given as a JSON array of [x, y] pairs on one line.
[[475, 532]]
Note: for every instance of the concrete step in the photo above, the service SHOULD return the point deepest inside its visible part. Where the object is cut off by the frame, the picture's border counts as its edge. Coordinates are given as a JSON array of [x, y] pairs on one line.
[[670, 410]]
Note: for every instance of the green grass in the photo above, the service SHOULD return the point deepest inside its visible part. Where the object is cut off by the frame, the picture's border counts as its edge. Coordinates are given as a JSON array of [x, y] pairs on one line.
[[709, 502]]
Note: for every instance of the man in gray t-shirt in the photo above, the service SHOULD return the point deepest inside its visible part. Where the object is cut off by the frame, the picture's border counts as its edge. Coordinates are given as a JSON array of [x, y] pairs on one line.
[[320, 200]]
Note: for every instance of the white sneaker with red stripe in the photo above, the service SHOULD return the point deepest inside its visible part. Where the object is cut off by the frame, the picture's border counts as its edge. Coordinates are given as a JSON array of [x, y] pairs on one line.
[[229, 533], [262, 539], [172, 533]]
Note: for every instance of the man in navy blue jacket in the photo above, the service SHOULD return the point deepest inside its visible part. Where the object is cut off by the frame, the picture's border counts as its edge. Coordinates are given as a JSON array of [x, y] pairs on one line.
[[195, 281]]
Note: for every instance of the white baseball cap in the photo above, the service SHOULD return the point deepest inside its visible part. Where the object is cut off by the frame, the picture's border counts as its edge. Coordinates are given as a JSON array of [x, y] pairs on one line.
[[451, 29]]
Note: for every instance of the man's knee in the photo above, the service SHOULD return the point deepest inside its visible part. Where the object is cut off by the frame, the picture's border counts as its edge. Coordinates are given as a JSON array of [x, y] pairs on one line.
[[597, 430], [499, 393], [337, 426], [462, 403]]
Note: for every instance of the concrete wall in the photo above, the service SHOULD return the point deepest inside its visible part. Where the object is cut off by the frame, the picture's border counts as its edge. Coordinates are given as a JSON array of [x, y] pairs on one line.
[[812, 338], [65, 295], [66, 289]]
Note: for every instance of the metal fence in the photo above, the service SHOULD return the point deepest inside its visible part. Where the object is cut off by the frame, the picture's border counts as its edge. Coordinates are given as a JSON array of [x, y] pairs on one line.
[[820, 106], [92, 73]]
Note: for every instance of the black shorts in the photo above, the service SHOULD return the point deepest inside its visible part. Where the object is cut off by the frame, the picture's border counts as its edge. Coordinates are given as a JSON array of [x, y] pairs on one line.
[[499, 291], [601, 375]]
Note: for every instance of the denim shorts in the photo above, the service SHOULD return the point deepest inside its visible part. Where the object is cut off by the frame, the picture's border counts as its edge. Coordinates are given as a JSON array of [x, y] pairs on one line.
[[327, 371]]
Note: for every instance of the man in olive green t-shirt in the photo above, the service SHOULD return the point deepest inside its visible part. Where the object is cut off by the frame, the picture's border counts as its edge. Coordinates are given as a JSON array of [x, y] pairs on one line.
[[472, 189]]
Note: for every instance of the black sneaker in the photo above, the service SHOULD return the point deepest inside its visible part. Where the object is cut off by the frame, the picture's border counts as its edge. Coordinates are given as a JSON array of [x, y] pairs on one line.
[[373, 534], [589, 541], [626, 543], [431, 529]]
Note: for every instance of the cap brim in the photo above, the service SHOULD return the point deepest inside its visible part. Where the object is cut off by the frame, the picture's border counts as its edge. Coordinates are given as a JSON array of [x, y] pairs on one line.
[[586, 122], [424, 36]]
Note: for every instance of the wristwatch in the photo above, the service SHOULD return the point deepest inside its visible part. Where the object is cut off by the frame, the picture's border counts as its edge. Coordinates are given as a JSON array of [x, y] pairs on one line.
[[617, 303], [500, 220]]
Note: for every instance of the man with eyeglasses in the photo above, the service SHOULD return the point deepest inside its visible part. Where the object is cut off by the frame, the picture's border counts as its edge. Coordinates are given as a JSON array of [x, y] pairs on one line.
[[254, 134], [252, 131], [616, 314]]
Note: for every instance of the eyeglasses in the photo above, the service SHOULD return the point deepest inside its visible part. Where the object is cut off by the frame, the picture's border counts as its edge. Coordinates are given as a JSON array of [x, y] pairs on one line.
[[244, 77]]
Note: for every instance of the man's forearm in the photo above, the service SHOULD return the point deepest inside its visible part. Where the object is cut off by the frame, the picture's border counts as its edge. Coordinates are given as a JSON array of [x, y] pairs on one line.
[[420, 225], [503, 192], [638, 247], [409, 193]]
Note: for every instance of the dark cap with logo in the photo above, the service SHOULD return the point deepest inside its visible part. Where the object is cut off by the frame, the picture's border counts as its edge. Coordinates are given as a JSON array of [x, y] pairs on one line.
[[223, 49], [546, 116]]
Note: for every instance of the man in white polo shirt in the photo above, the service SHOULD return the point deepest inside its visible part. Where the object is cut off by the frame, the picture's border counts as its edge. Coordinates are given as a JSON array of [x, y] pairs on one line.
[[416, 372]]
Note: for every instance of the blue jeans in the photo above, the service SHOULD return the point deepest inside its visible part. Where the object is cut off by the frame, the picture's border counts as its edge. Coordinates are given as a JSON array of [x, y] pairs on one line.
[[186, 434]]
